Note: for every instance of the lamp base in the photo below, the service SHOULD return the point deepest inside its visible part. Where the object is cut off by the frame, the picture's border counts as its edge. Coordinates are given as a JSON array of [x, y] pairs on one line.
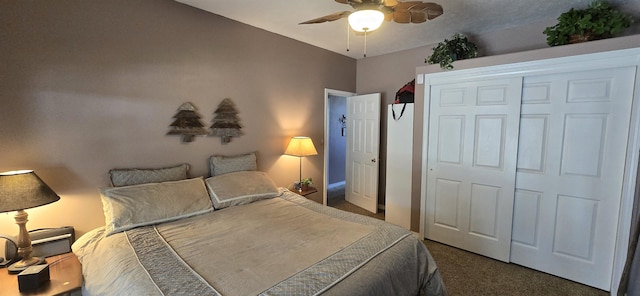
[[23, 264]]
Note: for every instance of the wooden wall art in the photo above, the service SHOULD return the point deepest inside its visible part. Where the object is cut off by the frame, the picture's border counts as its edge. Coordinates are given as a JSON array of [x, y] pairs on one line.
[[226, 122], [187, 123]]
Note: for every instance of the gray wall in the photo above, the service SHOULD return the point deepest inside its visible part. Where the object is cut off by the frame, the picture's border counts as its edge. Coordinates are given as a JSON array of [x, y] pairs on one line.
[[87, 86]]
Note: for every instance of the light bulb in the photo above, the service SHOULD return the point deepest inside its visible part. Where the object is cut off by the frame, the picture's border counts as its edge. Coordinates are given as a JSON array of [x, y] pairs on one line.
[[366, 20]]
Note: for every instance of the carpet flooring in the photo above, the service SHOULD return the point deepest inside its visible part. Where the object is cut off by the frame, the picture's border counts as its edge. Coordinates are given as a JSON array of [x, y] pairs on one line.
[[335, 198], [466, 273]]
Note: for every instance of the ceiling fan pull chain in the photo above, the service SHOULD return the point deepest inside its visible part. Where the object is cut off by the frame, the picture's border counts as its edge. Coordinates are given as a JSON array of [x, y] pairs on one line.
[[365, 43], [348, 37]]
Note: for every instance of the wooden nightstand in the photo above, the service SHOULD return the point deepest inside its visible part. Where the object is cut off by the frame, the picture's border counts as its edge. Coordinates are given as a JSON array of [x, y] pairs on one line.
[[65, 277], [310, 190]]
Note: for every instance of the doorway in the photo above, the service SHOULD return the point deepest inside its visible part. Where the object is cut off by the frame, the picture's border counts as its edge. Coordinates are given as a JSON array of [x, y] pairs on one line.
[[337, 146], [336, 156], [335, 141]]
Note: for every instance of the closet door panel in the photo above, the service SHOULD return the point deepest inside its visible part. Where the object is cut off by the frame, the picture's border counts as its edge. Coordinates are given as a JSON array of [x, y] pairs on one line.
[[527, 207], [473, 136], [532, 147], [571, 159]]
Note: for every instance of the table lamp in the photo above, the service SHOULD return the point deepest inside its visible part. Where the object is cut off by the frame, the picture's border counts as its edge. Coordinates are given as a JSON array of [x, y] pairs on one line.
[[301, 147], [20, 190]]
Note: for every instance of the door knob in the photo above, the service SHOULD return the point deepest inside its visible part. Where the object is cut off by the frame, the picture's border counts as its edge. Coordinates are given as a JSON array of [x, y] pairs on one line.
[[373, 160]]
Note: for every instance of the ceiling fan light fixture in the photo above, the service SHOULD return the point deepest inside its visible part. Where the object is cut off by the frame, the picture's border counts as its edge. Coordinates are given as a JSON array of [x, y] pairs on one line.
[[366, 20]]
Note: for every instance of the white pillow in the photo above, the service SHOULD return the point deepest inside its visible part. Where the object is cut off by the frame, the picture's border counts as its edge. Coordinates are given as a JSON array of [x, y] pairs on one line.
[[152, 203], [240, 188]]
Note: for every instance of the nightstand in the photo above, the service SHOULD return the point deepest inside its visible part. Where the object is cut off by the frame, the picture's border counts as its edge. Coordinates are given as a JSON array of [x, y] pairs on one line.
[[65, 277], [309, 190]]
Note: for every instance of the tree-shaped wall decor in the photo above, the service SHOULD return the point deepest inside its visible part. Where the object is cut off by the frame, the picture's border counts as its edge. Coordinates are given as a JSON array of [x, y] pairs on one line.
[[187, 123], [226, 122]]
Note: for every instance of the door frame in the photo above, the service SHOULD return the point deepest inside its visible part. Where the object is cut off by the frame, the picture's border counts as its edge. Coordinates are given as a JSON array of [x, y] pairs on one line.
[[606, 59], [325, 177], [628, 188]]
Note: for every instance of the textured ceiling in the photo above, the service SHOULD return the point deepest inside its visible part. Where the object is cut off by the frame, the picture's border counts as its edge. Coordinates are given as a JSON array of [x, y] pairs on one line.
[[464, 16]]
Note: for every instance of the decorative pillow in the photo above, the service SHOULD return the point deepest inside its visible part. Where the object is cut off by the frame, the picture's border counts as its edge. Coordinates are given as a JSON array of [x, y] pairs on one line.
[[240, 188], [219, 165], [152, 203], [126, 177]]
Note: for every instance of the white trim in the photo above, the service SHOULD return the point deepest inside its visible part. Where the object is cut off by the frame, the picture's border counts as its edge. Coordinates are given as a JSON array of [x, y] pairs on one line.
[[609, 59], [327, 93], [425, 147], [628, 191]]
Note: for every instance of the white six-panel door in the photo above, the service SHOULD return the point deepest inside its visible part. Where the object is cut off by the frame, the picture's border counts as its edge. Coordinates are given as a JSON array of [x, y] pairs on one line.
[[571, 158], [363, 124], [473, 132]]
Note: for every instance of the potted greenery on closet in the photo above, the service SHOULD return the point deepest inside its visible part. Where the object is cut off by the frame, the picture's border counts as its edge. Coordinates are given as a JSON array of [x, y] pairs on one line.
[[450, 50], [598, 21]]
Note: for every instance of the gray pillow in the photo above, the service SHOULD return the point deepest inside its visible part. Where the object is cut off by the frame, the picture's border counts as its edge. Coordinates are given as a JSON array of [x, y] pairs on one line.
[[127, 177], [219, 165], [239, 188], [152, 203]]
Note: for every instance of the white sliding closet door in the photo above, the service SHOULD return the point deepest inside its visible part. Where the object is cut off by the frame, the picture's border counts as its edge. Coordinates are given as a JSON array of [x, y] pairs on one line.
[[473, 139], [572, 151]]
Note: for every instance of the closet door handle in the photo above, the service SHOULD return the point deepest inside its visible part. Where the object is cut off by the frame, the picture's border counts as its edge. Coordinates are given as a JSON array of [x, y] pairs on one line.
[[373, 160]]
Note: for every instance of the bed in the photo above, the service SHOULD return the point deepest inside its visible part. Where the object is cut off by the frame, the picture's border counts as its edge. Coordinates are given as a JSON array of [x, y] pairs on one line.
[[236, 233]]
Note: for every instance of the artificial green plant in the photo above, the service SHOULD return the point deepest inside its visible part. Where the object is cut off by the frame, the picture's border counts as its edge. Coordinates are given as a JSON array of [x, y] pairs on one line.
[[450, 50], [599, 20]]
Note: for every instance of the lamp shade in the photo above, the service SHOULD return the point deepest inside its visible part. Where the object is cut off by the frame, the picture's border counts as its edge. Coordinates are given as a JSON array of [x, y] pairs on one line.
[[301, 146], [366, 20], [21, 190]]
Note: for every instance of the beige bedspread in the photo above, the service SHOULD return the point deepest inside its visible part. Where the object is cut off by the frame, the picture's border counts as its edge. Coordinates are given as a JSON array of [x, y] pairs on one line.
[[282, 246], [258, 245]]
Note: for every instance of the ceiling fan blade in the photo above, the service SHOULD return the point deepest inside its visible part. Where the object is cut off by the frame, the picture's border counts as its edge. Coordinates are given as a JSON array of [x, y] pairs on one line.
[[406, 5], [402, 16], [418, 11], [433, 10], [418, 16], [390, 3], [425, 10], [349, 1], [327, 18], [419, 6]]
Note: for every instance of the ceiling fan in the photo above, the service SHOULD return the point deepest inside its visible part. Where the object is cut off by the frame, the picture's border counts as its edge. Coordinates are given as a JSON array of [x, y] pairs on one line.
[[369, 14]]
